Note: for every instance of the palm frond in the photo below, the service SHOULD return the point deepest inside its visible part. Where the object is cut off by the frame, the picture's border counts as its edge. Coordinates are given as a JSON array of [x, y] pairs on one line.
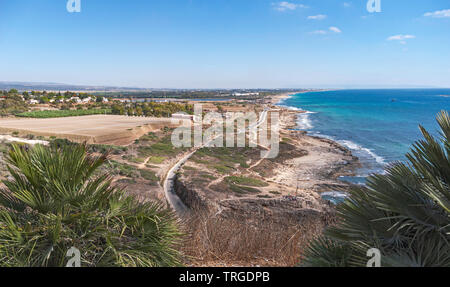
[[405, 213]]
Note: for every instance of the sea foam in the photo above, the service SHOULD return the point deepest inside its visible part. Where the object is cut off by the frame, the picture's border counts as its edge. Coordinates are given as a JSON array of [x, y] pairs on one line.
[[304, 122], [354, 146]]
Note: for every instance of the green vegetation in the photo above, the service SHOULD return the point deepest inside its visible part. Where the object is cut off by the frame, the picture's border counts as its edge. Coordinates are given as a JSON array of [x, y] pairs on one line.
[[223, 160], [222, 168], [227, 158], [190, 168], [151, 166], [116, 150], [242, 185], [157, 159], [55, 202], [190, 94], [149, 175], [137, 160], [243, 189], [404, 213], [151, 109], [117, 168], [11, 103], [149, 137], [208, 176], [285, 141], [4, 147], [247, 181], [63, 113], [94, 148], [196, 159], [163, 148]]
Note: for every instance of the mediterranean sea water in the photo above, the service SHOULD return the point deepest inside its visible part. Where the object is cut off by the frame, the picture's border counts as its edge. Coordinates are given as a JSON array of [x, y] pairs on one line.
[[379, 126]]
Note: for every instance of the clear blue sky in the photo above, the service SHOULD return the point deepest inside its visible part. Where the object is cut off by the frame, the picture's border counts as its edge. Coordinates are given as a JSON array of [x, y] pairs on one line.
[[226, 43]]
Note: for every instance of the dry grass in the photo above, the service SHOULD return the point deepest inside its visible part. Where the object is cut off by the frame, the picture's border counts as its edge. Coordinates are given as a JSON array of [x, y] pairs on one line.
[[216, 241]]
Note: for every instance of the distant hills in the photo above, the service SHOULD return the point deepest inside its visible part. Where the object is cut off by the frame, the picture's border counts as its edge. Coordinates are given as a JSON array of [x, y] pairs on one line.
[[27, 86], [58, 87]]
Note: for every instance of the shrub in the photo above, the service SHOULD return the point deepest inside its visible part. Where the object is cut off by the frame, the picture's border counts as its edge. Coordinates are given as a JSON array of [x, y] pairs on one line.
[[56, 202], [242, 180], [63, 113], [149, 175]]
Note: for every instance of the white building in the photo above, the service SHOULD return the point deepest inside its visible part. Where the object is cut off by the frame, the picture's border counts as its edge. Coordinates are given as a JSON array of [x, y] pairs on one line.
[[86, 100], [75, 99], [245, 94]]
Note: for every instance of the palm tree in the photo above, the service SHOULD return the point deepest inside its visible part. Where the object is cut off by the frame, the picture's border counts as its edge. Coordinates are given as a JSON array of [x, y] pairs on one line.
[[57, 199], [404, 213]]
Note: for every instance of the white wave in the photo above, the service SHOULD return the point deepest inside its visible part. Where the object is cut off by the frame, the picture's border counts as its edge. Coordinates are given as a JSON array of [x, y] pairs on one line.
[[354, 146], [291, 108], [319, 135], [335, 194], [281, 102], [304, 122]]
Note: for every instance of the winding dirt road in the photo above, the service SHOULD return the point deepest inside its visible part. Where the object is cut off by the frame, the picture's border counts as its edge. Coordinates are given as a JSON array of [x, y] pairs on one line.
[[172, 198]]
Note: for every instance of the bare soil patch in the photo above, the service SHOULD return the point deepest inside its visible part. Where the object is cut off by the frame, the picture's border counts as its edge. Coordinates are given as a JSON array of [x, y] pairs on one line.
[[97, 129]]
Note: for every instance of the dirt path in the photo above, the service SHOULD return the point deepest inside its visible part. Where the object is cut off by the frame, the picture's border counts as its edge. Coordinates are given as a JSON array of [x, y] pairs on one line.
[[144, 164], [168, 184]]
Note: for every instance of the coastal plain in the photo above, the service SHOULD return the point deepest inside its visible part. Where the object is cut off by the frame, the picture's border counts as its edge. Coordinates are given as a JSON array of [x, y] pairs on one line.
[[245, 210]]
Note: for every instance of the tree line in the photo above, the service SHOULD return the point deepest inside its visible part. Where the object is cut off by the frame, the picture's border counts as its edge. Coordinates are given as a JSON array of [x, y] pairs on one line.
[[151, 109]]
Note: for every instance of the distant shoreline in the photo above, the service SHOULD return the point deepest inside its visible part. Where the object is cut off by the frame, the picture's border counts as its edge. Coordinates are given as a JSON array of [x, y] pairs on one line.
[[276, 99], [294, 121]]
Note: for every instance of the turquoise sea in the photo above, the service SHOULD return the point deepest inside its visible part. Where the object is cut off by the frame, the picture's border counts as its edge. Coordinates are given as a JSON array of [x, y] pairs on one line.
[[379, 126]]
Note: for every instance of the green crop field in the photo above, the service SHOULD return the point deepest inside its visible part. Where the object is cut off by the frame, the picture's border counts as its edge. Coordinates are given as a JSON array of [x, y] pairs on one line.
[[63, 113]]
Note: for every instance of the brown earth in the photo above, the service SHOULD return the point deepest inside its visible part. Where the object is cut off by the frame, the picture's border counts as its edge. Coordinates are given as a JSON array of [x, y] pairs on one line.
[[96, 129]]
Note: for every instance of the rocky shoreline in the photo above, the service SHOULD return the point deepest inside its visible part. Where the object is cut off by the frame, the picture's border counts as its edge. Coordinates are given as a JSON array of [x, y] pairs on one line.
[[305, 167]]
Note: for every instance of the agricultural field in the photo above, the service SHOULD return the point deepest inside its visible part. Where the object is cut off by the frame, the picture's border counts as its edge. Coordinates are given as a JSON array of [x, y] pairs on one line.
[[63, 113], [93, 129]]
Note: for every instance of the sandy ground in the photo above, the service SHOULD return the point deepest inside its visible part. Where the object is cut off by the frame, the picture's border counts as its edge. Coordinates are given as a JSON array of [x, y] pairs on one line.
[[278, 98], [99, 129], [316, 171]]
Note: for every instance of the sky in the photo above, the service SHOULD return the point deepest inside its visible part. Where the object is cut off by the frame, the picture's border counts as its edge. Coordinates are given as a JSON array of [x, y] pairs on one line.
[[227, 43]]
